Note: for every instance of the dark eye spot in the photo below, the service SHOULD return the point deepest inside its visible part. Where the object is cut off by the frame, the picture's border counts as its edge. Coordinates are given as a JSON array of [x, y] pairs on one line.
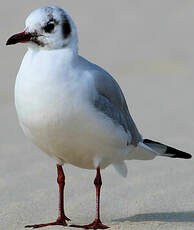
[[49, 28], [66, 29], [66, 26]]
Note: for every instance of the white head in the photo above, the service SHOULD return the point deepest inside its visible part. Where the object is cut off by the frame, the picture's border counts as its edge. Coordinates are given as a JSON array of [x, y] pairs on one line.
[[49, 27]]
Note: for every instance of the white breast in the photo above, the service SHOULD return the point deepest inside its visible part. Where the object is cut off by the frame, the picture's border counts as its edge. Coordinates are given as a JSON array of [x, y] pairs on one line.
[[55, 112]]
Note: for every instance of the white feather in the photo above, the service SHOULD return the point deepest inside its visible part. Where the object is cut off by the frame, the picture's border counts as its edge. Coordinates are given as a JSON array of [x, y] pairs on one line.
[[121, 168], [53, 96]]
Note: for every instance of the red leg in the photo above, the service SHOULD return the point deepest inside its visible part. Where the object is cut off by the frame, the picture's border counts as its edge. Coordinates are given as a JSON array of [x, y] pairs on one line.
[[61, 220], [96, 224]]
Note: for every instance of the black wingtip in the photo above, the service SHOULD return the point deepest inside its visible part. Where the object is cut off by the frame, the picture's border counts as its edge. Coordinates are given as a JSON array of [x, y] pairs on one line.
[[178, 153], [170, 151]]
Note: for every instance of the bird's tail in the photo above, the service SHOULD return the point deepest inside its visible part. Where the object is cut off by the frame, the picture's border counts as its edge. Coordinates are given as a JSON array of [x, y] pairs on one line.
[[165, 150]]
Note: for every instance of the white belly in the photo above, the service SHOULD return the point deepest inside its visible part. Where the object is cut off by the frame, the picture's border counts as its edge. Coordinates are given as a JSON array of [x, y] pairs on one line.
[[61, 121]]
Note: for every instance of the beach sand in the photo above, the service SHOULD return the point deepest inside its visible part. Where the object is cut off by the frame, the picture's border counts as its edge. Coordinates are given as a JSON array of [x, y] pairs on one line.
[[148, 46]]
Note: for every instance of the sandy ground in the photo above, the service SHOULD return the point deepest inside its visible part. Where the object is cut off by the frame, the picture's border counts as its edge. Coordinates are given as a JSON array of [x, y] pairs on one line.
[[149, 47]]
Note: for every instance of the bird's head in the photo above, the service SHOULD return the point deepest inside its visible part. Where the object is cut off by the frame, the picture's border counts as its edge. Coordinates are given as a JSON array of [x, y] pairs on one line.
[[49, 27]]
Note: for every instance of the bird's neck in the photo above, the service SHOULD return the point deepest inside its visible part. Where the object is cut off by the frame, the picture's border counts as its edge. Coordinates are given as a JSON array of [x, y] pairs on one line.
[[67, 56]]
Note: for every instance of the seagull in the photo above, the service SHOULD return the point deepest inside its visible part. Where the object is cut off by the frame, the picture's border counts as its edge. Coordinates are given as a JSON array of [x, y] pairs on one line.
[[72, 109]]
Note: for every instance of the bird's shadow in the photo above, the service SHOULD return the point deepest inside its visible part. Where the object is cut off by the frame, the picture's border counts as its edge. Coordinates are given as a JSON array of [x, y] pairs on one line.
[[160, 216]]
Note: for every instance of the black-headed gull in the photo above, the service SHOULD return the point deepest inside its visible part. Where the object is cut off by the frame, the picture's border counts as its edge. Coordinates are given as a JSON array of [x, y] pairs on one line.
[[72, 109]]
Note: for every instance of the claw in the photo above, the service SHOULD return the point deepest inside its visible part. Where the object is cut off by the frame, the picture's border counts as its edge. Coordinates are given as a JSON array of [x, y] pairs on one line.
[[95, 225], [58, 222]]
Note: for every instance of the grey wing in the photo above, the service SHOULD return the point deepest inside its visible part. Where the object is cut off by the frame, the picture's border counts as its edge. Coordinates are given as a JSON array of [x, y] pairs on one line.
[[110, 100]]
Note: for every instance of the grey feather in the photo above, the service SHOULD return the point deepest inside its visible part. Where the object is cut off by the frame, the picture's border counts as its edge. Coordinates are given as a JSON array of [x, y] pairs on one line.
[[110, 100]]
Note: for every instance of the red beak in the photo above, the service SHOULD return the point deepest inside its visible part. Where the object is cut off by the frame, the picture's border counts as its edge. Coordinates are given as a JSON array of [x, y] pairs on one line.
[[21, 37]]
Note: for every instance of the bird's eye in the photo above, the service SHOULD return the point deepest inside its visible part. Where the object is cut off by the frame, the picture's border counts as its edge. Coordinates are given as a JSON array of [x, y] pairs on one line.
[[49, 28]]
